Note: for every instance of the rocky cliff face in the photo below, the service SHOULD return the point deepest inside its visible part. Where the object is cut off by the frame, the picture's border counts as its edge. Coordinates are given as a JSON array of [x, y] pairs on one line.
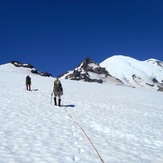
[[89, 71], [33, 70]]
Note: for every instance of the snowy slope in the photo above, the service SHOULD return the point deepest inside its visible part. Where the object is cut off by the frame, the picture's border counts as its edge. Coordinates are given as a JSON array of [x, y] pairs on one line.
[[124, 124], [135, 73]]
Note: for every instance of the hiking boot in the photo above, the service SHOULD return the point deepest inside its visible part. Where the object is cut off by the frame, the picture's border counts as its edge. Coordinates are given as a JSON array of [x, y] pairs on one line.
[[55, 101], [59, 102]]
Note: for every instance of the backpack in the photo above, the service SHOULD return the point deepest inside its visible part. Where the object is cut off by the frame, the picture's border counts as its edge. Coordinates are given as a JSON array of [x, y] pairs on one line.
[[28, 79], [57, 86]]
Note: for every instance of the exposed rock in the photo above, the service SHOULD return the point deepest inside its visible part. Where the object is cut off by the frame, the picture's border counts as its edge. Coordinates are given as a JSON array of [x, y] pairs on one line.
[[88, 71], [155, 80], [46, 74], [33, 70], [157, 62], [18, 64]]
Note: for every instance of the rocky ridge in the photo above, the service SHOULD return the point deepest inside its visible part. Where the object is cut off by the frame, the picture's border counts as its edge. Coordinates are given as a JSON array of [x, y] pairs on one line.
[[89, 71], [33, 70]]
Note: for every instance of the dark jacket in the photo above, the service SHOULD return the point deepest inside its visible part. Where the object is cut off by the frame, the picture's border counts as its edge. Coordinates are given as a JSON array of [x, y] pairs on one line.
[[28, 80]]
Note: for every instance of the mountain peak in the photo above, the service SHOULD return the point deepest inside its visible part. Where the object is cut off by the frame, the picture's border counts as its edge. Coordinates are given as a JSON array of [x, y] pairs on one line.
[[89, 71], [85, 63], [135, 73]]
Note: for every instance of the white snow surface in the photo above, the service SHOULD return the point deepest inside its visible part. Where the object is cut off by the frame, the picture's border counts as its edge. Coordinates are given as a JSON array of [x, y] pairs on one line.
[[124, 124], [124, 67]]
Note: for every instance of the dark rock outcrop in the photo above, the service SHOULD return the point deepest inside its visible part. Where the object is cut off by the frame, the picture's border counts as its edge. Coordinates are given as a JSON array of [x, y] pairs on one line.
[[33, 70], [155, 80], [18, 64], [88, 71]]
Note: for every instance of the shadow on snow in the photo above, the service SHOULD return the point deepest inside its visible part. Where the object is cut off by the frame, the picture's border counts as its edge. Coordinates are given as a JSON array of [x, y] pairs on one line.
[[68, 106]]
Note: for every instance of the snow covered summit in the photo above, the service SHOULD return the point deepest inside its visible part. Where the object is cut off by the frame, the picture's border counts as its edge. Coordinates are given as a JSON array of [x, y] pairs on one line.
[[135, 73]]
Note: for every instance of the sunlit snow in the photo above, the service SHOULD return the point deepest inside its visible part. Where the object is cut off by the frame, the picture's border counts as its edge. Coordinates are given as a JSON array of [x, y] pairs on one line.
[[124, 124], [124, 68]]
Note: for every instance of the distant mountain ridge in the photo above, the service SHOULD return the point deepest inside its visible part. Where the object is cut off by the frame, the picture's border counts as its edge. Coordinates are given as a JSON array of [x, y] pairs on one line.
[[120, 69], [32, 69]]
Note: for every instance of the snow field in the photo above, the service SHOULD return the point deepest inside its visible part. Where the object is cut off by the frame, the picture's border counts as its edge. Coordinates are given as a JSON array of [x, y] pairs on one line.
[[124, 124]]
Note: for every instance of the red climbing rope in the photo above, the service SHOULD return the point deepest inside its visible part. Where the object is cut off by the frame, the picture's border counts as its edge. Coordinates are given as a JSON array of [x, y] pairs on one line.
[[85, 135]]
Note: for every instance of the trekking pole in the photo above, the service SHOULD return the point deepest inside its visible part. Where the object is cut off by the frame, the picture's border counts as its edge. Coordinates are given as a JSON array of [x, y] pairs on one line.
[[51, 99]]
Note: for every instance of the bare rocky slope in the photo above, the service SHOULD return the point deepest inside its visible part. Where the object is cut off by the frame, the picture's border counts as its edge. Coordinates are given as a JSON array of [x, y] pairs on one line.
[[90, 71]]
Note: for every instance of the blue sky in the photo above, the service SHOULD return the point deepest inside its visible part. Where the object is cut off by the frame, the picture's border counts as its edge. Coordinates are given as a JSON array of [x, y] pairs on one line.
[[56, 35]]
